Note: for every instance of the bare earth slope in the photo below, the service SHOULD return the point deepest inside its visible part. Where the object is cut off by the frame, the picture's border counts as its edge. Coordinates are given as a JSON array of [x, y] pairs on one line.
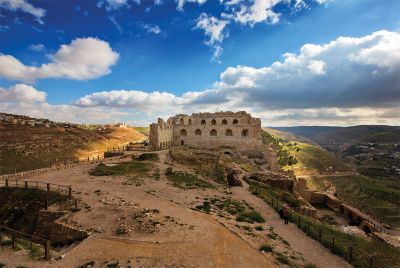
[[23, 147]]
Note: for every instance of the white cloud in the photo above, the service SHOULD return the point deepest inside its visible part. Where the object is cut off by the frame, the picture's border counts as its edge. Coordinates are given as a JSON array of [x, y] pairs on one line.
[[181, 3], [345, 81], [214, 29], [37, 47], [258, 11], [22, 93], [24, 6], [317, 67], [152, 28], [27, 100], [111, 5], [83, 58]]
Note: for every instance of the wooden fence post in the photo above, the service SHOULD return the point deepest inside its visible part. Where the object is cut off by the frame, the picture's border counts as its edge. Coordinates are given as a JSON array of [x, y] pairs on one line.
[[370, 262], [47, 250], [76, 204], [350, 255], [6, 183], [13, 240], [46, 203], [69, 191], [48, 187], [26, 185]]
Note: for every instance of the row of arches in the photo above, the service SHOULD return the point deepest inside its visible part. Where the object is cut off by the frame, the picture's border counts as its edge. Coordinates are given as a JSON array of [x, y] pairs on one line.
[[213, 122], [213, 132]]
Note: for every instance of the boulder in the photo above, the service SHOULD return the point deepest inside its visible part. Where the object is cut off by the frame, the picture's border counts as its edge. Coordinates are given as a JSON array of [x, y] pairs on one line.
[[233, 180]]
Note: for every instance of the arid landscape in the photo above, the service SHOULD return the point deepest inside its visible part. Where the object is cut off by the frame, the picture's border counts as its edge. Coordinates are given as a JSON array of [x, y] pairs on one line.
[[179, 207], [199, 133]]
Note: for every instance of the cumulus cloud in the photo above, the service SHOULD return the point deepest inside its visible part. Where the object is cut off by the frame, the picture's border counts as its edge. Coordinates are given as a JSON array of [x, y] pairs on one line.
[[181, 3], [24, 6], [243, 12], [27, 100], [21, 93], [83, 58], [258, 11], [347, 72], [348, 80]]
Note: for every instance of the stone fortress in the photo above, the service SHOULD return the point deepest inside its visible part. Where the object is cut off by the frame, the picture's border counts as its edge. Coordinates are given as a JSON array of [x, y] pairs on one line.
[[208, 130]]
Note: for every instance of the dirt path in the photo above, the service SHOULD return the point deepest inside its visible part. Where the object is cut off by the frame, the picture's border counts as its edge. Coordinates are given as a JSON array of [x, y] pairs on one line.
[[311, 250], [186, 238]]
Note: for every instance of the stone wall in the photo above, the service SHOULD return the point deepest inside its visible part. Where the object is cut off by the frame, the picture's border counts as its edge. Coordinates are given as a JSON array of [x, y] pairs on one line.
[[208, 130], [160, 135], [51, 227], [277, 180]]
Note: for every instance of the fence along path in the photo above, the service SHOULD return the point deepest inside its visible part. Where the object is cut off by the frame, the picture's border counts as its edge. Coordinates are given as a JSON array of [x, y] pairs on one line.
[[35, 243], [63, 189], [66, 164]]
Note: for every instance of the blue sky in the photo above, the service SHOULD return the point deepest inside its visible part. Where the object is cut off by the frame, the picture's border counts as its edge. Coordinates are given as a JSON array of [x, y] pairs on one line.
[[157, 58]]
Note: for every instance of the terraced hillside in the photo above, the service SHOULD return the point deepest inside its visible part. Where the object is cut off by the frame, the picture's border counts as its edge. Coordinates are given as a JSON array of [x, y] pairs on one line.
[[377, 195]]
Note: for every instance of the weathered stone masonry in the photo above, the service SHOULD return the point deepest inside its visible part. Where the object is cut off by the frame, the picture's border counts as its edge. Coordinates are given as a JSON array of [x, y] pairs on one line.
[[208, 130]]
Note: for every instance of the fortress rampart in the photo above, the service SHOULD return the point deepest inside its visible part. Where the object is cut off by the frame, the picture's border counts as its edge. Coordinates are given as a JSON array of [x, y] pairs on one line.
[[208, 130]]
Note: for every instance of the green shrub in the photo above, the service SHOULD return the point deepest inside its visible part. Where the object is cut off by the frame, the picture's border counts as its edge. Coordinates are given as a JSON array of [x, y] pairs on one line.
[[266, 248], [120, 169], [282, 258], [273, 236], [205, 207], [168, 171], [187, 181], [148, 156], [259, 228]]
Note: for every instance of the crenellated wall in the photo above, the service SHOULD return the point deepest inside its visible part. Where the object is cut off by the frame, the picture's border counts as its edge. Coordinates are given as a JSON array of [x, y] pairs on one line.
[[208, 130], [161, 134]]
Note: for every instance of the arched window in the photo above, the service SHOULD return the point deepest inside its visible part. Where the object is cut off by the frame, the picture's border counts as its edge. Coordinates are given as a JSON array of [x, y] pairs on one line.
[[183, 132], [224, 122], [160, 145], [197, 132], [228, 132], [190, 121], [213, 132], [203, 122], [213, 122], [235, 122], [182, 122], [245, 132]]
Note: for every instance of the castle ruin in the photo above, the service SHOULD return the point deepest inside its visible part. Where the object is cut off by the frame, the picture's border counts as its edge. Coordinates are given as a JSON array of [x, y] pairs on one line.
[[238, 130]]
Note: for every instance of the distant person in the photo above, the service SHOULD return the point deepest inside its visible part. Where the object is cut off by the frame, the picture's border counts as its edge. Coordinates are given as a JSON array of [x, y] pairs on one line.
[[286, 215], [281, 213]]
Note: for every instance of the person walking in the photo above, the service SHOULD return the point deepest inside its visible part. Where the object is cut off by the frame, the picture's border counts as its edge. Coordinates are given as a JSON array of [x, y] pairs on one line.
[[286, 215]]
